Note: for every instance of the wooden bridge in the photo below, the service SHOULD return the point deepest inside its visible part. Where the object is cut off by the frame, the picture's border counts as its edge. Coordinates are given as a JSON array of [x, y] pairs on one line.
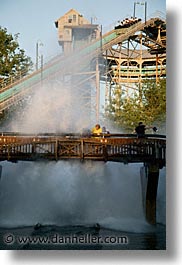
[[126, 148]]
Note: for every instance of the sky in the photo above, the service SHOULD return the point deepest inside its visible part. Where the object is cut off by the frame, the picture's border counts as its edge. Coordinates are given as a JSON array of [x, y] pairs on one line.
[[34, 19]]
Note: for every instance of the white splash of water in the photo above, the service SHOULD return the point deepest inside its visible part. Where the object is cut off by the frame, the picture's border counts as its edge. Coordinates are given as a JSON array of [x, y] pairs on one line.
[[69, 194]]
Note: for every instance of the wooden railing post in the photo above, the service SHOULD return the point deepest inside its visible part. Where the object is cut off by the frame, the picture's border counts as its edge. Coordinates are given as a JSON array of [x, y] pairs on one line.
[[82, 150], [56, 150], [33, 148], [8, 155]]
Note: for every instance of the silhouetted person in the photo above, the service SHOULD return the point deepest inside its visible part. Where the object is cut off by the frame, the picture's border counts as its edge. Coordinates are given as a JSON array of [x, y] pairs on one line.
[[141, 128]]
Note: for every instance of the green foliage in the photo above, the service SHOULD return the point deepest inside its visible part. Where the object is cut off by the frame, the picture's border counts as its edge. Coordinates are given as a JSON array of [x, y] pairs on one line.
[[13, 60], [148, 104]]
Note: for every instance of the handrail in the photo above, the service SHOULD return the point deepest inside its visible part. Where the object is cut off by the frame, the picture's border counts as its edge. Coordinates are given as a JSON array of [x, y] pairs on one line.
[[80, 135]]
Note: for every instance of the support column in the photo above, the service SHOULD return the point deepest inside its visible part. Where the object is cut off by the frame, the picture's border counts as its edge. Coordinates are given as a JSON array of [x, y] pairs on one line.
[[149, 181], [157, 79], [0, 171], [97, 91]]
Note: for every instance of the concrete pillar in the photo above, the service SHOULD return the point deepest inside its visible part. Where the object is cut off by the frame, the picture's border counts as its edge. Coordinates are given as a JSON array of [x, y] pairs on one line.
[[149, 182]]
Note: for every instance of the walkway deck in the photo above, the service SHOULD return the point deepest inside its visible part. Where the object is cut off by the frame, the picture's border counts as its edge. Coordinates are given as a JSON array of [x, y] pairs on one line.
[[123, 148]]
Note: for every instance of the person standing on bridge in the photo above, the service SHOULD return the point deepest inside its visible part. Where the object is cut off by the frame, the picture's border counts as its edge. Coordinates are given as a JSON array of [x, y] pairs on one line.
[[104, 130], [141, 128], [97, 129]]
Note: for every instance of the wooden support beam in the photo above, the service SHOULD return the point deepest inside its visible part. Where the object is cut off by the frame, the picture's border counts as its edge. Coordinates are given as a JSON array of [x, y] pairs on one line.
[[0, 171], [97, 91], [149, 181]]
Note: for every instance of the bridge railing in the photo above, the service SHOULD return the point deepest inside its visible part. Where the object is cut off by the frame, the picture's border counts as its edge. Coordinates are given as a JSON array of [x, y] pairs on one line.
[[78, 135], [112, 147]]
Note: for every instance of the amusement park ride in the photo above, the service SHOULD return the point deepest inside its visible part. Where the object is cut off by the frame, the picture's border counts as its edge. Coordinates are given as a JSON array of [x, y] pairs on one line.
[[124, 56]]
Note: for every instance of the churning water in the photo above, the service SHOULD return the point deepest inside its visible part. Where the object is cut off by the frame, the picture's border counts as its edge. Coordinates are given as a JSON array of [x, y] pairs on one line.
[[76, 194]]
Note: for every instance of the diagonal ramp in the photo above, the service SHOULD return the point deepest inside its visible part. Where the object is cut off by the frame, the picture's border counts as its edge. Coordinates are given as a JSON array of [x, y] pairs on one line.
[[62, 65]]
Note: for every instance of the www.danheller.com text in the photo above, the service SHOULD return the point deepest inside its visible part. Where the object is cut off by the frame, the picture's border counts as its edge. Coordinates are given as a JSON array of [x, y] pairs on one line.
[[11, 239]]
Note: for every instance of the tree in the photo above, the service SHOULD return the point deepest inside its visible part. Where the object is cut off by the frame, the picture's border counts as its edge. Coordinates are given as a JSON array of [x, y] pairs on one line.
[[13, 61], [147, 105]]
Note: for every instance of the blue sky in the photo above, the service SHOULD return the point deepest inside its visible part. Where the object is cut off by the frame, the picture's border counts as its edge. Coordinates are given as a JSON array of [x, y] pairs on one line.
[[34, 19]]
